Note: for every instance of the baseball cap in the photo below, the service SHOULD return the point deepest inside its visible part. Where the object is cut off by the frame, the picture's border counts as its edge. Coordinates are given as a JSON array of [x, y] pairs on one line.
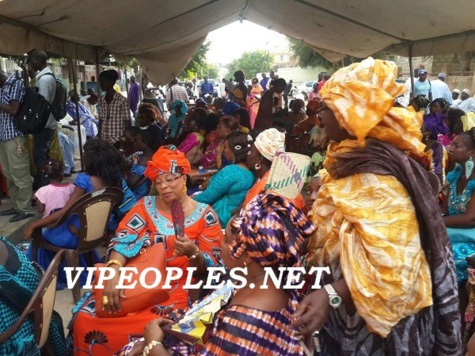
[[442, 75]]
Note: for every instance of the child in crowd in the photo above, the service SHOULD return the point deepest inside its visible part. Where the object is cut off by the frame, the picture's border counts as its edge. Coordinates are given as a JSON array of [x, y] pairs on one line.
[[53, 196], [312, 191]]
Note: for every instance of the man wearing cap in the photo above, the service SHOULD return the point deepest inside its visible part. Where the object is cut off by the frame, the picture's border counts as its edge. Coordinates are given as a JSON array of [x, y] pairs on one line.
[[422, 86], [467, 103], [455, 96], [440, 89]]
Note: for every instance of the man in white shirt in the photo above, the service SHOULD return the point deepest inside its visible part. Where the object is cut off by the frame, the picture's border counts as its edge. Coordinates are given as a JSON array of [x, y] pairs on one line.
[[440, 89], [467, 103], [46, 83], [406, 98]]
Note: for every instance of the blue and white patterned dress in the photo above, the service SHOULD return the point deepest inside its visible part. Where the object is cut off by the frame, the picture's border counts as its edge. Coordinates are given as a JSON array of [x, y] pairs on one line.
[[463, 240]]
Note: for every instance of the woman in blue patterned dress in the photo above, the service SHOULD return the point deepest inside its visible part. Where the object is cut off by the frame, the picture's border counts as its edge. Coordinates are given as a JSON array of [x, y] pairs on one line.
[[460, 205], [18, 281]]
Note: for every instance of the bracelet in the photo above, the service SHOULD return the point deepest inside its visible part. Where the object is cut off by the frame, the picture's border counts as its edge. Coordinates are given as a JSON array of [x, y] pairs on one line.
[[150, 346], [192, 257], [114, 262]]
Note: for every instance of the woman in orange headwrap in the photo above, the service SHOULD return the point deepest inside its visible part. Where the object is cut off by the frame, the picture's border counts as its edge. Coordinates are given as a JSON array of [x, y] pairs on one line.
[[150, 222]]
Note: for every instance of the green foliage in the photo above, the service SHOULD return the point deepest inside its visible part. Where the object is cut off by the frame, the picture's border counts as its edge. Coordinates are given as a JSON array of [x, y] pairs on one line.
[[251, 63], [307, 57], [198, 65], [212, 71]]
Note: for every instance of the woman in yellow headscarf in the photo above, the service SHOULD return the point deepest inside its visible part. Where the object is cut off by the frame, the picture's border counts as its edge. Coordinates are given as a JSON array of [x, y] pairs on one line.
[[392, 288]]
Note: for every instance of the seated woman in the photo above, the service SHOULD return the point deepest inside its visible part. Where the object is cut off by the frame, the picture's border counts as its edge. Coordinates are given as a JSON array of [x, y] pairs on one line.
[[192, 146], [86, 118], [454, 122], [311, 121], [298, 112], [392, 288], [259, 161], [104, 167], [19, 279], [459, 207], [149, 117], [150, 222], [144, 145], [269, 232], [227, 124], [433, 126], [176, 118], [212, 142], [242, 115], [227, 189]]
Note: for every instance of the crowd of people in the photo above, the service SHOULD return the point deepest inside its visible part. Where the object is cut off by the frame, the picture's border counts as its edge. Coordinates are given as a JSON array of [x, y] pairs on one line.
[[391, 213]]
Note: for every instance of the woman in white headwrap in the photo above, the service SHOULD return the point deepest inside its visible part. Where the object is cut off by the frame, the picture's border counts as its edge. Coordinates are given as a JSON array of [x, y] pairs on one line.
[[260, 159]]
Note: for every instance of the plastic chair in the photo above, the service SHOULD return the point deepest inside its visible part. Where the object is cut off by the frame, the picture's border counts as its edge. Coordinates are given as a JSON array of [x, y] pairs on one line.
[[94, 210], [40, 305]]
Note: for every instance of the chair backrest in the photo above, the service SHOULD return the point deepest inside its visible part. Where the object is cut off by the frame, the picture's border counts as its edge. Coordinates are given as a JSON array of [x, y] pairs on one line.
[[94, 210], [41, 304]]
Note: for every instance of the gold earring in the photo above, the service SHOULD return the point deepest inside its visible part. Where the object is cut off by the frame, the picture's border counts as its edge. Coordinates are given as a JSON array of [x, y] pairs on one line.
[[185, 190]]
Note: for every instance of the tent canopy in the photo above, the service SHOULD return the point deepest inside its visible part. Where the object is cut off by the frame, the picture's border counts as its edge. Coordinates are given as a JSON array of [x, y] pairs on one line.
[[164, 35]]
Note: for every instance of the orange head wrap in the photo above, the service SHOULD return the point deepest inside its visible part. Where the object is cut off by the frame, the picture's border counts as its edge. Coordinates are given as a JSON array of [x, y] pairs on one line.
[[167, 160]]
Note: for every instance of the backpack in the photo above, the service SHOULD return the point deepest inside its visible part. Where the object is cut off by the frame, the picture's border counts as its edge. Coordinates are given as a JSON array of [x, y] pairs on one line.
[[58, 106], [33, 114]]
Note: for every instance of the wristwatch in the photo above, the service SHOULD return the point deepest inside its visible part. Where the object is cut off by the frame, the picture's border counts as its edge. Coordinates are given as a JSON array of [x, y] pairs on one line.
[[333, 298]]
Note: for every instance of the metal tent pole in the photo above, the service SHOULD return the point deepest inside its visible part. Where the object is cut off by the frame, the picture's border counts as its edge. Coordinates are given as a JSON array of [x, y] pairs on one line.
[[75, 86], [98, 89], [409, 49]]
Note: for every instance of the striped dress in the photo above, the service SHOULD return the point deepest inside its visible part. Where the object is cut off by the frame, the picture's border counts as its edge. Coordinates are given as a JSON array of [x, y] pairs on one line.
[[241, 330]]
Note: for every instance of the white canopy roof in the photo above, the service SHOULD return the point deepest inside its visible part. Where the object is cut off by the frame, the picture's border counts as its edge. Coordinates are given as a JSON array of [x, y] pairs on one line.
[[164, 35]]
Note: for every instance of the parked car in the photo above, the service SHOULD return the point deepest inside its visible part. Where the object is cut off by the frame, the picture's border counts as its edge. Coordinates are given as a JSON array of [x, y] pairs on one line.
[[304, 89]]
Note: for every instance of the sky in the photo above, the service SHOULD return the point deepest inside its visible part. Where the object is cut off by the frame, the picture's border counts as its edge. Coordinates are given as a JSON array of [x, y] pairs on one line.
[[226, 46]]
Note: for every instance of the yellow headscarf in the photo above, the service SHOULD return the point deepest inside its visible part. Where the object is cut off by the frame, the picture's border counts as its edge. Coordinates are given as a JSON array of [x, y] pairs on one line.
[[362, 97]]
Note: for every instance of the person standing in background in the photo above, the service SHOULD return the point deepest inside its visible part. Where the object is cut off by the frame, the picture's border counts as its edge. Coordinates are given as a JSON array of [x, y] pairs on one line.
[[46, 83], [134, 95], [14, 157], [113, 109], [285, 94], [206, 88], [264, 81], [440, 89]]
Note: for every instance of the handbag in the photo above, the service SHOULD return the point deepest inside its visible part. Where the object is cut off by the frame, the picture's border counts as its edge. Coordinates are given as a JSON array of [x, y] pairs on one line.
[[139, 297]]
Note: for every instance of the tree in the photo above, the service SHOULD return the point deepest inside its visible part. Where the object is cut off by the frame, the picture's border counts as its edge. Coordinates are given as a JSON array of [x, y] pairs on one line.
[[212, 71], [307, 56], [251, 63], [198, 63]]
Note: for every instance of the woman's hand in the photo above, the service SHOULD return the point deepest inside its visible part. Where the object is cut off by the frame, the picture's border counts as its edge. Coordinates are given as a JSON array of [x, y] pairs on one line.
[[153, 330], [137, 349], [112, 294], [312, 313], [183, 246], [205, 184], [28, 232]]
